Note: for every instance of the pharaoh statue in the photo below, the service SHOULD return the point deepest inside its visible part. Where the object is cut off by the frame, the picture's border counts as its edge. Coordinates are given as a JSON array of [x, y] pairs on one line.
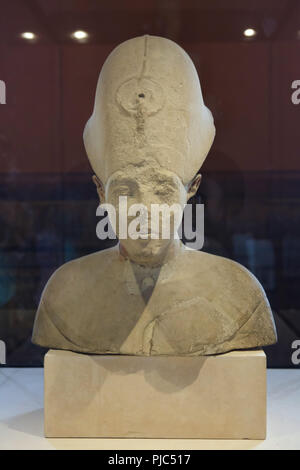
[[147, 138]]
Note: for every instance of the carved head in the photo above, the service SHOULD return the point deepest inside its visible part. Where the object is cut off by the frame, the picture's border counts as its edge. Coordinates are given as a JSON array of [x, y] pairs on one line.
[[150, 130]]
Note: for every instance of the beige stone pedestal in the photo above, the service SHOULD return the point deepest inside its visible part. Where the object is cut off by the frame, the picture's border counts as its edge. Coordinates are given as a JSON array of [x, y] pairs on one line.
[[215, 397]]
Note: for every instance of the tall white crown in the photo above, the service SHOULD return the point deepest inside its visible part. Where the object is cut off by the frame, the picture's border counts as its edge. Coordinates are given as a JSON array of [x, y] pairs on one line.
[[149, 105]]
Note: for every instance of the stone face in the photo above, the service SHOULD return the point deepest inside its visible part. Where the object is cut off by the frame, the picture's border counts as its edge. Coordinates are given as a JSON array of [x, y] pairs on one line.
[[149, 134], [216, 397]]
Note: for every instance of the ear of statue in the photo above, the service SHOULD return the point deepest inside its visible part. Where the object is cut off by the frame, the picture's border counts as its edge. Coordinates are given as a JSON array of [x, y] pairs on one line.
[[193, 186], [100, 188]]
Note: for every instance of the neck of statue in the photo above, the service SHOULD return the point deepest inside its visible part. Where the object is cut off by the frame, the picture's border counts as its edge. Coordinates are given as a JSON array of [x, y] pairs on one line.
[[169, 253]]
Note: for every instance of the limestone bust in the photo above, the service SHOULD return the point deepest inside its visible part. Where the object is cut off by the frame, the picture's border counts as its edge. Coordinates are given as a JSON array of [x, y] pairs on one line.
[[146, 139]]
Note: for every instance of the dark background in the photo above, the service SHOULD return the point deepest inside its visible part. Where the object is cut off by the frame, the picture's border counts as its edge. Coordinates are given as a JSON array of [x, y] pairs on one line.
[[250, 180]]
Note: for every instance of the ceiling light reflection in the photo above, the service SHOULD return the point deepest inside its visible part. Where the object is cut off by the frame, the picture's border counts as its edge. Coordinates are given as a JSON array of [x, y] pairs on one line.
[[80, 35], [249, 32], [28, 35]]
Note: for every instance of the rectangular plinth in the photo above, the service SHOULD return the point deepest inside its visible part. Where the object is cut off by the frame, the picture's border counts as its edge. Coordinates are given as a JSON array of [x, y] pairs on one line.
[[215, 397]]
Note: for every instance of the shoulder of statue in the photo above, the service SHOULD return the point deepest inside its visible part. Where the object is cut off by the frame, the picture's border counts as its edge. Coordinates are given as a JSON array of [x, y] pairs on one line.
[[254, 315], [64, 301]]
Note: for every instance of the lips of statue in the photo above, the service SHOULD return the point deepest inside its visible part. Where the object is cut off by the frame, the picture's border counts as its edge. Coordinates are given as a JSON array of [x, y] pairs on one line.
[[148, 186]]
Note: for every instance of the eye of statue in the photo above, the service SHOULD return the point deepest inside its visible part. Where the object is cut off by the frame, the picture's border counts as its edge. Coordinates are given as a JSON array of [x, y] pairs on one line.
[[125, 190], [161, 192], [165, 191]]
